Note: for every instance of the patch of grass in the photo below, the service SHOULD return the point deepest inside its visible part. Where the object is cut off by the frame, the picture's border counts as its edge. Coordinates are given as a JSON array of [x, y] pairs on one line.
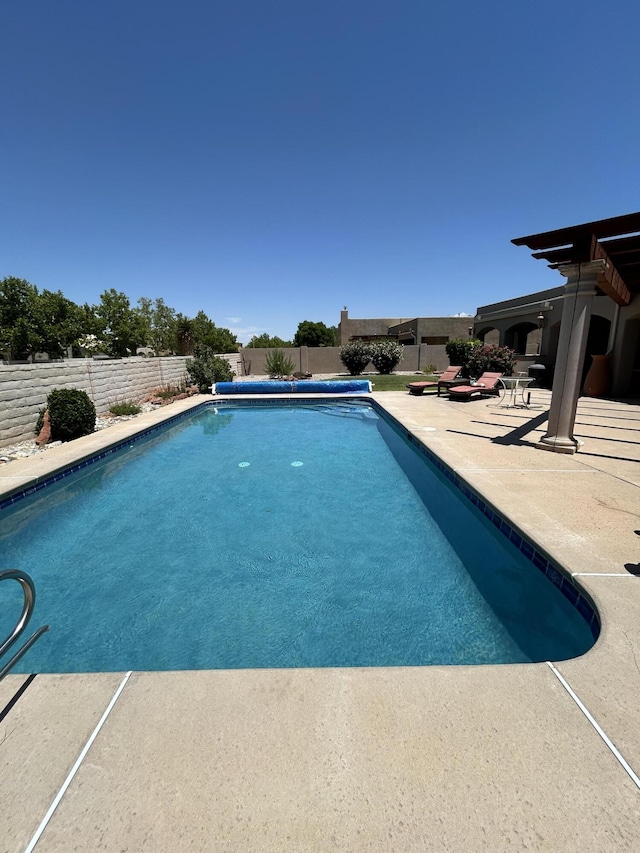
[[126, 408], [392, 381]]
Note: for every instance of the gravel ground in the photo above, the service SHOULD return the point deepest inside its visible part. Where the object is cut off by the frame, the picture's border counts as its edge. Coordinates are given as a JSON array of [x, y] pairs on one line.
[[22, 449]]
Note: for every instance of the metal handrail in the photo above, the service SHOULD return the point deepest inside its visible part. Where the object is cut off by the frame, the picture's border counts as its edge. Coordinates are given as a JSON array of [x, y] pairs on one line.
[[29, 592]]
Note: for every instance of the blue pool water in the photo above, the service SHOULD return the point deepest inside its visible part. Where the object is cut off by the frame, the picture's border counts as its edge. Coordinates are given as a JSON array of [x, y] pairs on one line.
[[274, 536]]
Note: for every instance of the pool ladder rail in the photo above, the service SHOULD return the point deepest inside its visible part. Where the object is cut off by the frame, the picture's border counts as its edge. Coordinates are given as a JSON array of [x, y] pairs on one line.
[[29, 592]]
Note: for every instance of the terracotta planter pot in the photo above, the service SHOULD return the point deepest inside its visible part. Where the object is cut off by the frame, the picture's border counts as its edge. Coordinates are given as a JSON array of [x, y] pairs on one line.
[[597, 382]]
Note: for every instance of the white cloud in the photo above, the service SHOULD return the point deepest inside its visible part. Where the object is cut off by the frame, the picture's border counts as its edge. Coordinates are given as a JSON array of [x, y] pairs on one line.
[[245, 333], [462, 314], [234, 320]]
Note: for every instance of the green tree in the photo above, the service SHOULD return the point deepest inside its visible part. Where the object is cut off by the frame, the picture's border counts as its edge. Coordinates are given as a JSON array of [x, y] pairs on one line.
[[160, 324], [312, 334], [207, 334], [122, 329], [184, 335], [264, 341], [59, 322], [19, 332]]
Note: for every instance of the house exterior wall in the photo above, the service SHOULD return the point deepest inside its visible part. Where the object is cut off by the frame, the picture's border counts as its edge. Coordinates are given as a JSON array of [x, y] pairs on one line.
[[626, 351], [624, 323], [411, 331], [364, 328]]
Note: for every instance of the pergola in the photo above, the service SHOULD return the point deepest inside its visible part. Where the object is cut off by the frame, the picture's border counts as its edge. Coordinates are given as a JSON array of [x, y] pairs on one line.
[[602, 256]]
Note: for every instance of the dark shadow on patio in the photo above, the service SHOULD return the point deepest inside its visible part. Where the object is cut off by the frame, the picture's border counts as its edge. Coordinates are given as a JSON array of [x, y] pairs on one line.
[[516, 435]]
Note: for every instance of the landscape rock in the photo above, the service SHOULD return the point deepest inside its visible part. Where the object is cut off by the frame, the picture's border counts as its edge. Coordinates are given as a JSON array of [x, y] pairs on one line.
[[44, 436]]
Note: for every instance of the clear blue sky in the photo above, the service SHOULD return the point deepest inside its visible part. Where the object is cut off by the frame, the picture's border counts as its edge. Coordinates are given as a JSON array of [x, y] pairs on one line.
[[270, 162]]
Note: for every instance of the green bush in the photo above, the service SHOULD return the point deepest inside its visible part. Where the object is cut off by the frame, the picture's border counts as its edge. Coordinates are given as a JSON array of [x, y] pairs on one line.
[[277, 364], [355, 356], [125, 408], [460, 351], [71, 414], [40, 421], [499, 359], [386, 355], [170, 392], [207, 368]]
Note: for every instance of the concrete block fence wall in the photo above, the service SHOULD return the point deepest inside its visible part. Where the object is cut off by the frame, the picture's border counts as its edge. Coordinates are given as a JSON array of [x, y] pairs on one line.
[[24, 387]]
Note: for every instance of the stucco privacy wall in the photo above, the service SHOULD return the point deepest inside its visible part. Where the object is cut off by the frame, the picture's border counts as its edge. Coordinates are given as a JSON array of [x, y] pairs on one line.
[[327, 359], [24, 387]]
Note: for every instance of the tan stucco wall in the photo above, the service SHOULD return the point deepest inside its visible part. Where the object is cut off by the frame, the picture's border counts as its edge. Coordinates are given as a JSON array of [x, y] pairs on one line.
[[316, 360]]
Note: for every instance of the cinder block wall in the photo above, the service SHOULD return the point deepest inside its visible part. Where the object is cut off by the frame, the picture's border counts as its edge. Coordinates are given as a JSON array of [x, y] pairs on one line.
[[24, 387]]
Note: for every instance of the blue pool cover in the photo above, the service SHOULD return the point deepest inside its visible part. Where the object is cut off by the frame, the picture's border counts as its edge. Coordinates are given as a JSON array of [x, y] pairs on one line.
[[351, 386]]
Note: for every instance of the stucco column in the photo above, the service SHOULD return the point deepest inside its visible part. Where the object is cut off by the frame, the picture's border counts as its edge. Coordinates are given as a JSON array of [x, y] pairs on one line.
[[572, 344]]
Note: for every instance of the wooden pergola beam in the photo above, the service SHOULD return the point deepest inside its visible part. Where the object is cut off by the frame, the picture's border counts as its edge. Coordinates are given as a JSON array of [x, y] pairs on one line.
[[611, 281], [603, 228], [591, 249]]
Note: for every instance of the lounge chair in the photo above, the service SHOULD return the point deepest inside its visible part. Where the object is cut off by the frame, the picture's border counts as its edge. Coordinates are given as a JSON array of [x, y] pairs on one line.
[[446, 379], [487, 385]]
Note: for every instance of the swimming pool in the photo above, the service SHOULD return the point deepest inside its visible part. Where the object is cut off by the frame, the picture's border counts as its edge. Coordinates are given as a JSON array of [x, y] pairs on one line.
[[280, 534]]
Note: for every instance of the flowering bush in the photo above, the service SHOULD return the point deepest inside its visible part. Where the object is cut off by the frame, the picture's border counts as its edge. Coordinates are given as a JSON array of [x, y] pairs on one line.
[[91, 343], [355, 356], [386, 355], [499, 359]]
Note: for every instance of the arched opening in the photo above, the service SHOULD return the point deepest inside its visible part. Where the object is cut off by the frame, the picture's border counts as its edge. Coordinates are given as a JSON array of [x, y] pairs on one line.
[[597, 340], [489, 336], [628, 369], [523, 338]]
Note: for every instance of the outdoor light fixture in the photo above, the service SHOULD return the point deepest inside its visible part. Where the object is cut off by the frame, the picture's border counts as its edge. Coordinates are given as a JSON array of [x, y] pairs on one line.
[[470, 331]]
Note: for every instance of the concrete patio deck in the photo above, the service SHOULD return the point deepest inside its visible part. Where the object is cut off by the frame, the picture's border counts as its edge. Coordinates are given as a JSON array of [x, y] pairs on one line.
[[399, 759]]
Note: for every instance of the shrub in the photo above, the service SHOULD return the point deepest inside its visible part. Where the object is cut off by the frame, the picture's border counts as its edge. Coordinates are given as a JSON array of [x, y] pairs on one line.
[[207, 368], [125, 408], [502, 359], [277, 364], [460, 351], [168, 393], [355, 356], [71, 414], [386, 355], [40, 421]]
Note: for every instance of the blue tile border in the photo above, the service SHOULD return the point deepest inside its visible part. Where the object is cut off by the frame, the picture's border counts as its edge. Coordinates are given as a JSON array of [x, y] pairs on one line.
[[282, 400], [576, 596], [57, 476]]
